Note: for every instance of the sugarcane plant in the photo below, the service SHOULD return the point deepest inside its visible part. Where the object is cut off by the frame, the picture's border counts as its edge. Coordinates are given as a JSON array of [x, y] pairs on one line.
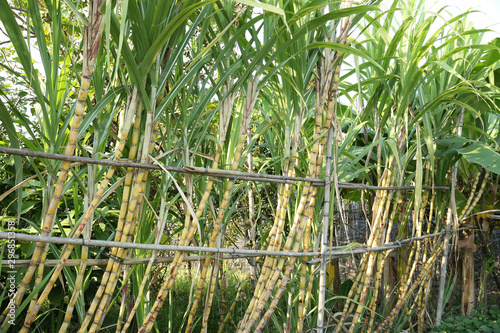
[[317, 93]]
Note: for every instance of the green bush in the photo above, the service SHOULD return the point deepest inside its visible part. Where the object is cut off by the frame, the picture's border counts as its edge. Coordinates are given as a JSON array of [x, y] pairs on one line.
[[482, 319]]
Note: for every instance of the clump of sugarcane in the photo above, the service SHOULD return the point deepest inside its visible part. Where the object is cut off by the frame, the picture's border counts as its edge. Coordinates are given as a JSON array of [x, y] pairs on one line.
[[358, 292], [421, 279], [113, 280], [92, 37], [308, 197], [251, 98], [97, 198], [303, 215], [129, 227], [414, 255], [378, 230], [159, 231], [266, 284], [123, 210], [276, 234], [475, 195], [381, 257], [424, 294], [190, 228], [426, 269]]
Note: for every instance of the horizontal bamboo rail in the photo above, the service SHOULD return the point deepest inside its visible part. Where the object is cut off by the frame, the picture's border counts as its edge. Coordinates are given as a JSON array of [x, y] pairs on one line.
[[209, 172], [190, 170], [336, 252], [133, 261]]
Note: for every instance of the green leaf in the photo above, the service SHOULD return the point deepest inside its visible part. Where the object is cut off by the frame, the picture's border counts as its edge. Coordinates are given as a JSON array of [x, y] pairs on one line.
[[345, 49], [266, 7], [483, 155]]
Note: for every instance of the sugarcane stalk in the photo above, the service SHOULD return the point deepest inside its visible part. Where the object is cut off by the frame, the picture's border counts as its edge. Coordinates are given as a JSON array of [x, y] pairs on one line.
[[426, 269], [134, 205], [92, 37], [303, 276], [67, 252], [189, 230], [123, 303], [121, 218], [251, 98], [83, 265]]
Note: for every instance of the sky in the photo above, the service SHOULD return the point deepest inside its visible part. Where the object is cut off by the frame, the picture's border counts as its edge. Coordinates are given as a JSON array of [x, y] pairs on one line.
[[488, 18]]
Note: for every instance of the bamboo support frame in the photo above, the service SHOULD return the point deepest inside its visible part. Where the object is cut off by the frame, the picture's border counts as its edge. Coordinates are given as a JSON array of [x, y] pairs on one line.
[[237, 175], [230, 252]]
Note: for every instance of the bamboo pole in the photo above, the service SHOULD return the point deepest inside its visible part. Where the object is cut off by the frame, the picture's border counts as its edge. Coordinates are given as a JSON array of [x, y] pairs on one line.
[[126, 262], [187, 169], [324, 237], [210, 172], [451, 216], [341, 251]]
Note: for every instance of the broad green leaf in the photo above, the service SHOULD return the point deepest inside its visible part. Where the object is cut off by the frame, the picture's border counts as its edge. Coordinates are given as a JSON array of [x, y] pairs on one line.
[[266, 7], [483, 155]]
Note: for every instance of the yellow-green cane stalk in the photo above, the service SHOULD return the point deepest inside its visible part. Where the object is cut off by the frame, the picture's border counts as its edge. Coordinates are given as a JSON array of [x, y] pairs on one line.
[[189, 230], [251, 99], [303, 276], [273, 268], [426, 269], [121, 218], [123, 303], [122, 215], [474, 199], [88, 214], [134, 205], [92, 38], [159, 233]]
